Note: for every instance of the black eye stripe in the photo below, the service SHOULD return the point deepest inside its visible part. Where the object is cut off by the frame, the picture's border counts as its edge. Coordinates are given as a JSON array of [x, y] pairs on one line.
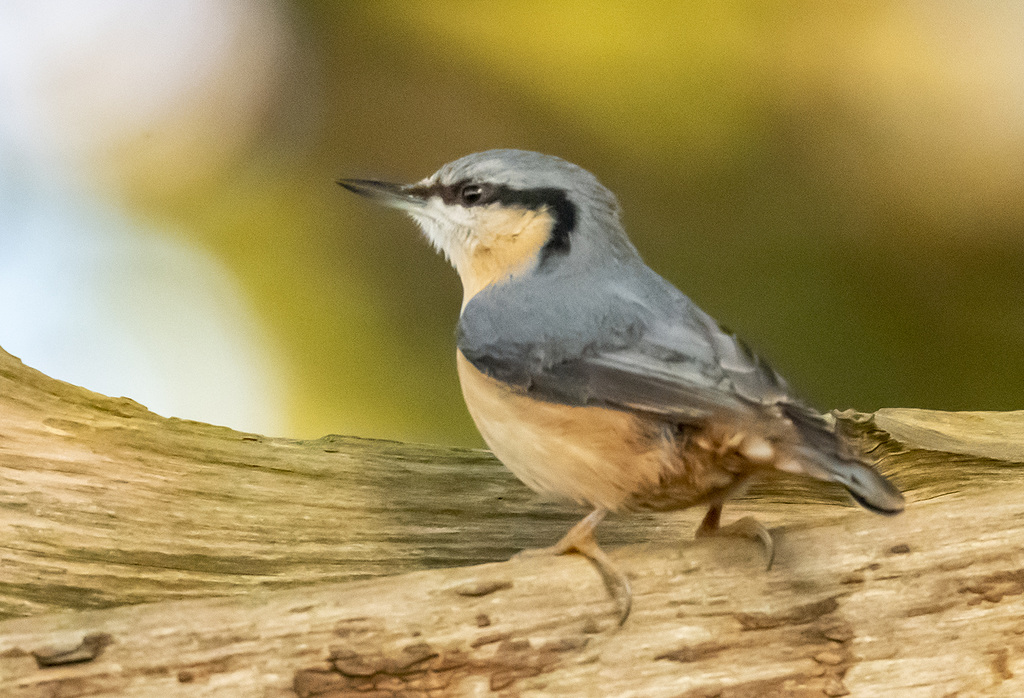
[[554, 200], [453, 193]]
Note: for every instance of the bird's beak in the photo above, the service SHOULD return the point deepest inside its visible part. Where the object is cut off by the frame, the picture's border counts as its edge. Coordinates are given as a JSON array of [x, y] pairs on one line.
[[401, 196]]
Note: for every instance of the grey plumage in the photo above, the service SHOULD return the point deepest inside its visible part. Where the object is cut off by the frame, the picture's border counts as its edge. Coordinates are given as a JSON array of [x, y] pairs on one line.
[[593, 378]]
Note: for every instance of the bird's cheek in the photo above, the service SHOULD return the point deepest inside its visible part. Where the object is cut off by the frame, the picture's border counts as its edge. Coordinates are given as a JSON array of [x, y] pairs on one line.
[[460, 246]]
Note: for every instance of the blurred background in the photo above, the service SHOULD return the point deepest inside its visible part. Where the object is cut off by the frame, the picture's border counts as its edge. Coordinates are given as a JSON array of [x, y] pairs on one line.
[[842, 184]]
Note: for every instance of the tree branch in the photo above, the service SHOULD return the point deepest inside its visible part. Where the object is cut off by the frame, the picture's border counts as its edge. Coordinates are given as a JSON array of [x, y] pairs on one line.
[[104, 504]]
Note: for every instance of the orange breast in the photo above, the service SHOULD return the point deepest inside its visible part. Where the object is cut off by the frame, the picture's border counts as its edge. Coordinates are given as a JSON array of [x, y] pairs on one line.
[[588, 454]]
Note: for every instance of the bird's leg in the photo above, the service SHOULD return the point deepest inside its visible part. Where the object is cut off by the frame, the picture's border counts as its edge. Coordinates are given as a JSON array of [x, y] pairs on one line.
[[580, 539], [747, 527]]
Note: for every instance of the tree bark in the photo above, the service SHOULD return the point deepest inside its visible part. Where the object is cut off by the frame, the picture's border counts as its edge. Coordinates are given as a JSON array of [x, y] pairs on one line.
[[120, 525]]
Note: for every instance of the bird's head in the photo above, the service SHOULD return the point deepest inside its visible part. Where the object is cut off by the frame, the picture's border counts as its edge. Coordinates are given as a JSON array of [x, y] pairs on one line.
[[499, 214]]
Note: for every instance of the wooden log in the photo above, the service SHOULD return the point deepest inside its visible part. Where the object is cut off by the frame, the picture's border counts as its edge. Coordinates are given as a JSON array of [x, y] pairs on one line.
[[103, 504]]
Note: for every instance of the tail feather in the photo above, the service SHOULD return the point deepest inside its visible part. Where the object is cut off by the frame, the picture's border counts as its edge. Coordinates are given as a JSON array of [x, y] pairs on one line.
[[827, 455]]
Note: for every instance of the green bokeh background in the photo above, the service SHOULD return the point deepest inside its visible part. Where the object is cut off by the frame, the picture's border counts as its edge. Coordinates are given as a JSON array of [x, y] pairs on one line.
[[839, 183]]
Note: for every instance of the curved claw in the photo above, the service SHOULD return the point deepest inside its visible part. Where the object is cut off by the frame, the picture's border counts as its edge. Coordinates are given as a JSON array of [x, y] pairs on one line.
[[614, 579], [747, 527], [580, 539]]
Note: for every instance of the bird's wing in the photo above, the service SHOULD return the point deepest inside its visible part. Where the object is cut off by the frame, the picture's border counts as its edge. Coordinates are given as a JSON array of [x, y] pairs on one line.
[[656, 355], [658, 375], [664, 357]]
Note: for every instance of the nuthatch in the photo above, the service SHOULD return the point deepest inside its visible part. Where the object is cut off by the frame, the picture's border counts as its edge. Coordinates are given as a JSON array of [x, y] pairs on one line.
[[590, 376]]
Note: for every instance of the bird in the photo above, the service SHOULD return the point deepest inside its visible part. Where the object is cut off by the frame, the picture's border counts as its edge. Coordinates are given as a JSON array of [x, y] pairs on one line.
[[591, 377]]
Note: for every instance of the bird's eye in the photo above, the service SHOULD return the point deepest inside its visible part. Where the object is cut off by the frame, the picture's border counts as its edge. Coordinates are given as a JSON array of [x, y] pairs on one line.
[[471, 193]]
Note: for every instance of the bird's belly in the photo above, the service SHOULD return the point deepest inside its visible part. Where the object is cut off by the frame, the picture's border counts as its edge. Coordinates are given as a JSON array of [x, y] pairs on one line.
[[588, 454]]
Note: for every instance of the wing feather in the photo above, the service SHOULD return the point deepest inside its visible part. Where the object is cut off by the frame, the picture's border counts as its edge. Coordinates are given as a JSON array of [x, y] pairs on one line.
[[659, 355], [656, 354]]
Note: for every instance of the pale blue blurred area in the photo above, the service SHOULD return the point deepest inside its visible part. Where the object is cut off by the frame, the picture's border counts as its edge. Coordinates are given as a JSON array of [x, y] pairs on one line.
[[94, 299], [88, 294]]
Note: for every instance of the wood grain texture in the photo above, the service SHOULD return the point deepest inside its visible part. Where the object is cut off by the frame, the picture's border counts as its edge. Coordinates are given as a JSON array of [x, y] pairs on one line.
[[104, 505]]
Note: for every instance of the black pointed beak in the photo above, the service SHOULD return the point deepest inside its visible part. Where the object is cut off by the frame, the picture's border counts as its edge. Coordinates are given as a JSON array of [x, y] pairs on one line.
[[394, 195]]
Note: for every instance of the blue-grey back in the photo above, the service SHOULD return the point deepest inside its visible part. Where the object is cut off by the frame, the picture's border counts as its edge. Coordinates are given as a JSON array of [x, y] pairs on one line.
[[612, 333]]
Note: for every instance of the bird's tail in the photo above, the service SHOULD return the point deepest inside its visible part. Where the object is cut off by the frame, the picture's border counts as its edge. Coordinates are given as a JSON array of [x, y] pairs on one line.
[[826, 455]]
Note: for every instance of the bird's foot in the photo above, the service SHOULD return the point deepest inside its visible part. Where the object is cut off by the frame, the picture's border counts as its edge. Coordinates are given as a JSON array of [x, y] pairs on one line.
[[580, 533], [614, 579], [747, 527], [580, 539]]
